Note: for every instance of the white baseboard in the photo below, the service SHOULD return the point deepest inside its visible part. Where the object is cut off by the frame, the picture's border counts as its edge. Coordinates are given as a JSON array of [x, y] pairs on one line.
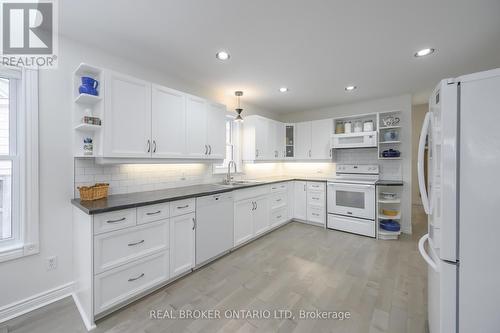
[[34, 302]]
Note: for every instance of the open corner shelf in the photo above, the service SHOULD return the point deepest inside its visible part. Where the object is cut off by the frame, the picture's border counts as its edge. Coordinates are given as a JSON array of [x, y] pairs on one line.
[[87, 127], [388, 217], [87, 99], [389, 142], [389, 201], [86, 69]]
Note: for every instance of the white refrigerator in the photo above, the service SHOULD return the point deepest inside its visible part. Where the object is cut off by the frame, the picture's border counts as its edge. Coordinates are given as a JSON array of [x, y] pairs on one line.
[[462, 200]]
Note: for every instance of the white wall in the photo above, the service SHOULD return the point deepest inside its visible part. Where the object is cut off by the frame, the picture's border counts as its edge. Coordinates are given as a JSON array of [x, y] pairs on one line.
[[389, 169], [26, 277]]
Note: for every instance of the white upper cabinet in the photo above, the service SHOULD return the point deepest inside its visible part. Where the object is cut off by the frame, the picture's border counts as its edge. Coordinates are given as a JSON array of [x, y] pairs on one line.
[[216, 130], [256, 139], [127, 116], [168, 123], [196, 118], [303, 140], [321, 131], [277, 139]]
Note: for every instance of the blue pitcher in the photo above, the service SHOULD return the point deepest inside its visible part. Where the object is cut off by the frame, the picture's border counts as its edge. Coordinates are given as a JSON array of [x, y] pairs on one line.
[[89, 86]]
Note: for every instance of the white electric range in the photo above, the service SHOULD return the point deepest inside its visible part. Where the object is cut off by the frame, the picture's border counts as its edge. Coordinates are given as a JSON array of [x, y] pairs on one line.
[[351, 199]]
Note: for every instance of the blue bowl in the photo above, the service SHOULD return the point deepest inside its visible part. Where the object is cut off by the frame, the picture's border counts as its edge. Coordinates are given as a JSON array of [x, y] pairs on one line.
[[390, 225]]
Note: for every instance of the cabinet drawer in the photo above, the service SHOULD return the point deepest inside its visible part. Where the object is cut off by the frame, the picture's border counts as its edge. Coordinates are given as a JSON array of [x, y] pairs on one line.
[[316, 198], [353, 225], [120, 247], [253, 192], [279, 187], [114, 220], [153, 213], [118, 285], [278, 200], [278, 216], [316, 214], [316, 186], [181, 207]]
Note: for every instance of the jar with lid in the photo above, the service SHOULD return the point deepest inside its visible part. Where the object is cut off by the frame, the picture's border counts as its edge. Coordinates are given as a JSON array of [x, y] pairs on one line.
[[347, 127]]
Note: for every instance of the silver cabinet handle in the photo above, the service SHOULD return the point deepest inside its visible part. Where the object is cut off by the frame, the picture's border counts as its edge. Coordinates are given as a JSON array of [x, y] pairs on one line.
[[206, 149], [278, 200], [253, 205], [256, 205], [350, 213], [256, 153], [182, 207], [315, 214], [136, 243], [304, 187], [209, 149], [149, 146], [315, 198], [278, 217], [309, 152], [136, 278], [154, 146], [154, 213], [330, 152], [116, 221], [194, 223]]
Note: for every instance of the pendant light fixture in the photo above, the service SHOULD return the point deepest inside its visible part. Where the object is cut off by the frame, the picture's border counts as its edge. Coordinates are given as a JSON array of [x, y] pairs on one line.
[[238, 110]]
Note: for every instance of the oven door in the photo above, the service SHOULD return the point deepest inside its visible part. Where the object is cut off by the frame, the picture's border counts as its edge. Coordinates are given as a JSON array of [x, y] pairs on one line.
[[356, 200]]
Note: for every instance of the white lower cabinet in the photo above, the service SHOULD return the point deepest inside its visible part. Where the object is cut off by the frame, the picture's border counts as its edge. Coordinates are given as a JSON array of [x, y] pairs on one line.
[[300, 200], [182, 243], [261, 216], [243, 221], [122, 283], [120, 247], [310, 202]]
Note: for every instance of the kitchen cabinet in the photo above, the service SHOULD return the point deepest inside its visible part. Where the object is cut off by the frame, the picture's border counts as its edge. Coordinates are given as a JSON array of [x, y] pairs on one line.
[[243, 221], [289, 141], [216, 130], [300, 200], [182, 243], [276, 142], [303, 140], [144, 120], [196, 122], [256, 139], [127, 116], [261, 216], [168, 123], [321, 132]]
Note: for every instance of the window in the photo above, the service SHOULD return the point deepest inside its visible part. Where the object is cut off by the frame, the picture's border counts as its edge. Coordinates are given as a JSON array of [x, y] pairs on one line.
[[18, 162], [232, 146]]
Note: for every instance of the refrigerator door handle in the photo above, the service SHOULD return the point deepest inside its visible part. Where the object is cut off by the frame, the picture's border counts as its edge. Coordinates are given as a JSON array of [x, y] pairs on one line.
[[424, 254], [420, 163]]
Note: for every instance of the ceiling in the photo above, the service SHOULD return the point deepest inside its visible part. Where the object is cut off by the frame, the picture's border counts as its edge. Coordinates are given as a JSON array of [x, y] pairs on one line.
[[313, 47]]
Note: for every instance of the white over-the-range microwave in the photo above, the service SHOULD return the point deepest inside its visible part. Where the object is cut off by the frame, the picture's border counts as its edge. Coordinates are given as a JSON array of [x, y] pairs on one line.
[[354, 140]]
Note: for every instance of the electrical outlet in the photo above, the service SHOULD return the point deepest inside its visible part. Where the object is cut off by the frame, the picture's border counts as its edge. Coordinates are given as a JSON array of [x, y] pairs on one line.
[[51, 263]]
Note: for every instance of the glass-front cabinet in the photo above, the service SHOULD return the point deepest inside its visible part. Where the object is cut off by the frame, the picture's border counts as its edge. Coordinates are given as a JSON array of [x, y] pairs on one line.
[[289, 141]]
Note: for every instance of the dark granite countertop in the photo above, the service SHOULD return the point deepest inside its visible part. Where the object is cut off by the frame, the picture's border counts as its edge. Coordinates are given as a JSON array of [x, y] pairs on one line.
[[138, 199], [382, 182]]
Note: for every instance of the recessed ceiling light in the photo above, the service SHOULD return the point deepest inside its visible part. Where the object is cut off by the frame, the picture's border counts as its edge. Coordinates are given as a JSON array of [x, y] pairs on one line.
[[222, 55], [350, 88], [424, 52], [283, 89]]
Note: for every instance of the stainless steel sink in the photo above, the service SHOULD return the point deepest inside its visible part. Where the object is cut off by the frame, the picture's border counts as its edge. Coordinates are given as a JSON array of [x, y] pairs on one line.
[[237, 183]]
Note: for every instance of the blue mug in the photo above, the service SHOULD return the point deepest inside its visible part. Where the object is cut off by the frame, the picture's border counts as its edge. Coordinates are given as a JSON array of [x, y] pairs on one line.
[[89, 86], [87, 90]]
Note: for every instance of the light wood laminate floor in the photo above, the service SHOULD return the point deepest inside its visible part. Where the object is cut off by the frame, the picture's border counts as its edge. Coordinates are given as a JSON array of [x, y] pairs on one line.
[[381, 283]]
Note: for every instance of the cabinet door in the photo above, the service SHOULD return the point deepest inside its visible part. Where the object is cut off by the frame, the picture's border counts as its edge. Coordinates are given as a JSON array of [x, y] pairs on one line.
[[127, 116], [321, 131], [216, 130], [262, 149], [168, 123], [196, 124], [271, 139], [300, 200], [243, 219], [303, 140], [182, 244], [279, 133], [261, 216]]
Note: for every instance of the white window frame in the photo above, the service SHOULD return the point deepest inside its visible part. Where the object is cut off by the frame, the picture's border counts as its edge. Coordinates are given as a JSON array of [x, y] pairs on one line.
[[25, 173], [236, 128]]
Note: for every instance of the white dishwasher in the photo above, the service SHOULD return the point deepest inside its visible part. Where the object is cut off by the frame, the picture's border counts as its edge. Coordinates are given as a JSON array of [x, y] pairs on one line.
[[214, 226]]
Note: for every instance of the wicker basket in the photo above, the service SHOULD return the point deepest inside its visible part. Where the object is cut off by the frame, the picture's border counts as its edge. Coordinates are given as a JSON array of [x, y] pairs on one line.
[[95, 192]]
